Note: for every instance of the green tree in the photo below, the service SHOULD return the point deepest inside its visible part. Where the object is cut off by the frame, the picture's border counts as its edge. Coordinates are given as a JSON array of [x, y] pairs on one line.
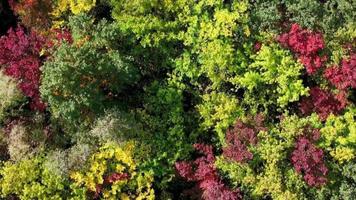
[[81, 78]]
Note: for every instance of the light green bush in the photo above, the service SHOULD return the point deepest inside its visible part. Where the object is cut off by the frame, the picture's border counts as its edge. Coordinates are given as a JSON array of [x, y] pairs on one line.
[[10, 96], [29, 179]]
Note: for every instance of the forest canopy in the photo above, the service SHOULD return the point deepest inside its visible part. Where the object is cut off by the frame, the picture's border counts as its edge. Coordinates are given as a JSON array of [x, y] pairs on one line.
[[187, 99]]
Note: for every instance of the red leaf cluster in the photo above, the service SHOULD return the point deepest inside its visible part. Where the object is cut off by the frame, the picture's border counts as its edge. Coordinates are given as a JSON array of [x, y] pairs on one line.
[[115, 177], [308, 160], [239, 137], [257, 46], [109, 179], [344, 76], [19, 56], [63, 35], [323, 103], [307, 45], [58, 36], [98, 190], [204, 172]]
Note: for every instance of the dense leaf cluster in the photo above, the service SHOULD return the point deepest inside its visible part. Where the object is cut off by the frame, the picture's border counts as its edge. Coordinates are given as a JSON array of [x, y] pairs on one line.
[[81, 76], [323, 102], [307, 45], [203, 171], [344, 76], [239, 138], [20, 59], [308, 160]]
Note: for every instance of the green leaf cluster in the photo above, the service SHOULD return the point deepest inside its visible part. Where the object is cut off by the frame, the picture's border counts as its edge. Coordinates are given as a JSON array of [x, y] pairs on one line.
[[273, 78], [81, 78], [326, 16]]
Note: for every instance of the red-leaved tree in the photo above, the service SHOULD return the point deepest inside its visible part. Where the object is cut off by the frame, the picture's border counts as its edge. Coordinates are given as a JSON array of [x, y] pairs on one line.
[[108, 180], [306, 45], [308, 160], [323, 102], [204, 173], [240, 136], [20, 59], [343, 76]]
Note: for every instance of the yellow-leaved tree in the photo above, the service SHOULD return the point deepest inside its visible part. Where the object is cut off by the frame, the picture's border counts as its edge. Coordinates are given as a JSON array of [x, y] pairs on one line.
[[112, 173], [62, 7]]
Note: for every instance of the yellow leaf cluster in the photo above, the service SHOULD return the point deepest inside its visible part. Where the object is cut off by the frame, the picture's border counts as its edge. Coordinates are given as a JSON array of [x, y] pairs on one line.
[[74, 6], [113, 158]]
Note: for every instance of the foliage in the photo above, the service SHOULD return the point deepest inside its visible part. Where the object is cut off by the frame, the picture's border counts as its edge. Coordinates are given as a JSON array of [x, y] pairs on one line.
[[20, 59], [218, 111], [343, 77], [170, 134], [62, 162], [26, 137], [10, 96], [133, 90], [62, 8], [347, 186], [339, 136], [270, 172], [340, 43], [308, 159], [240, 137], [75, 6], [115, 126], [112, 173], [203, 30], [34, 14], [266, 16], [81, 77], [28, 179], [272, 79], [306, 45], [203, 171], [273, 76], [326, 16], [18, 147], [323, 102]]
